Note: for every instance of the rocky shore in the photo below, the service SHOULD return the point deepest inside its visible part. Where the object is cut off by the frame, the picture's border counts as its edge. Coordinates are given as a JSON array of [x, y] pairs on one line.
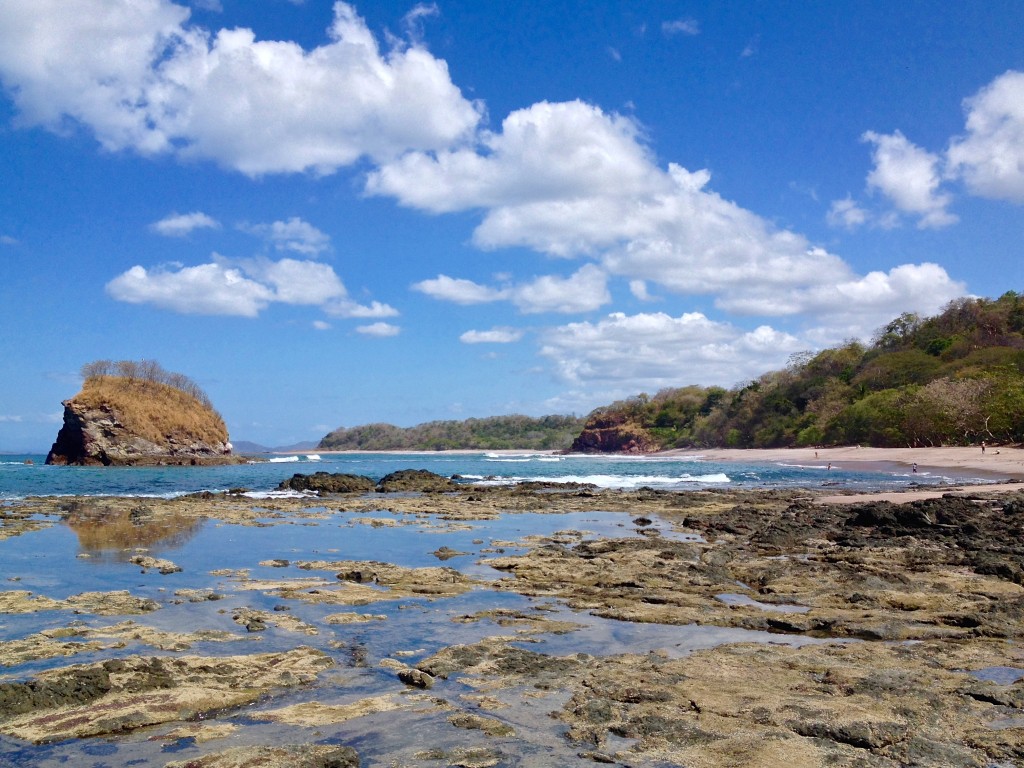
[[855, 633]]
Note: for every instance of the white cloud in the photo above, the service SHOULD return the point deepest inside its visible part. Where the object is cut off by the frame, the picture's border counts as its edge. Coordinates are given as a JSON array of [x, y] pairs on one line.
[[10, 419], [459, 290], [208, 289], [651, 351], [292, 235], [639, 290], [493, 336], [380, 330], [296, 282], [583, 291], [352, 309], [847, 214], [856, 306], [681, 27], [321, 325], [242, 287], [182, 224], [139, 77], [909, 176], [413, 20], [571, 181], [544, 153], [8, 240], [990, 158]]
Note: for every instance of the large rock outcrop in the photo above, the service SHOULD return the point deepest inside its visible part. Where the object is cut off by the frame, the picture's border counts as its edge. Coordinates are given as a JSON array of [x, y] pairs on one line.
[[612, 433], [115, 421]]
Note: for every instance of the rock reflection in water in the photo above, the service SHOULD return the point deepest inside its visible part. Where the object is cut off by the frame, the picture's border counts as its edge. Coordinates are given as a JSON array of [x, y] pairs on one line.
[[113, 533]]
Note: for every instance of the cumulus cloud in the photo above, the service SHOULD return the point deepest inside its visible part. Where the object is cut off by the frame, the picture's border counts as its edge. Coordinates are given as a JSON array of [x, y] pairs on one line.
[[242, 287], [208, 289], [351, 309], [183, 224], [583, 291], [493, 336], [292, 235], [909, 177], [140, 77], [295, 281], [379, 330], [649, 351], [459, 290], [544, 153], [990, 158], [569, 180]]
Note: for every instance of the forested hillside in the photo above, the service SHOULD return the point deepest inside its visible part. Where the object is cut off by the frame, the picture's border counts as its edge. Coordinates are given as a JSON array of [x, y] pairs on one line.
[[953, 379], [490, 434]]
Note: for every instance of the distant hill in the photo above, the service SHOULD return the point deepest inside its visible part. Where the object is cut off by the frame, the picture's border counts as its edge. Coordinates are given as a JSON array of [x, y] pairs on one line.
[[137, 413], [249, 447], [489, 434], [953, 379]]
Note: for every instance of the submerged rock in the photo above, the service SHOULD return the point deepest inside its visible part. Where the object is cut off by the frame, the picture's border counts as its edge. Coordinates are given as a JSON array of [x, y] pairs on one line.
[[291, 756], [120, 695]]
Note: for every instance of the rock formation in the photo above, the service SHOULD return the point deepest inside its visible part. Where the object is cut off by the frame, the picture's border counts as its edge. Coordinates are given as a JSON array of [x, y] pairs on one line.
[[119, 421], [612, 433]]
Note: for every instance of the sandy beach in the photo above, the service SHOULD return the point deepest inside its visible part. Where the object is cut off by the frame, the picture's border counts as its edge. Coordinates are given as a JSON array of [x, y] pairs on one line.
[[997, 463]]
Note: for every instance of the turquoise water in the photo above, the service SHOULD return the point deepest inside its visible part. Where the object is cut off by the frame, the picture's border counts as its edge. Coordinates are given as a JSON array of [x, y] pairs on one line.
[[19, 479]]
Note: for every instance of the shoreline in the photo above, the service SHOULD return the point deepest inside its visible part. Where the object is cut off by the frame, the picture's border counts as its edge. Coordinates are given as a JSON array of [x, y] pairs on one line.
[[997, 463]]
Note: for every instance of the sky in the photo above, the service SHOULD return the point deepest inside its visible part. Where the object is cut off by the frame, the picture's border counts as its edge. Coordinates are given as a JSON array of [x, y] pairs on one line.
[[331, 214]]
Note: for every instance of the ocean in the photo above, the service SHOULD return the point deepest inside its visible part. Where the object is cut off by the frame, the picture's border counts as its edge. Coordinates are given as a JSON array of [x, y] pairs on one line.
[[26, 475]]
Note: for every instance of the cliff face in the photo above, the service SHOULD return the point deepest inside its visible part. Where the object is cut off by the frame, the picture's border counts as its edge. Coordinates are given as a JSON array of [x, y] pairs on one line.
[[117, 423], [610, 433]]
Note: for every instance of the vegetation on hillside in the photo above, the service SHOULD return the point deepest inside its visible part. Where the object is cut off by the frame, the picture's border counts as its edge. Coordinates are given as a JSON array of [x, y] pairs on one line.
[[150, 402], [953, 379], [491, 434]]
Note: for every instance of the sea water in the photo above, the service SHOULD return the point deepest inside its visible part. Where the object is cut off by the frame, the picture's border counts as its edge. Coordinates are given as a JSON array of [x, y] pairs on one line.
[[27, 475]]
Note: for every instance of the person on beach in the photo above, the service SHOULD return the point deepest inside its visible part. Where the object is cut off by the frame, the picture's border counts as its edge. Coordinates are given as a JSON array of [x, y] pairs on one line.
[[982, 446], [915, 467]]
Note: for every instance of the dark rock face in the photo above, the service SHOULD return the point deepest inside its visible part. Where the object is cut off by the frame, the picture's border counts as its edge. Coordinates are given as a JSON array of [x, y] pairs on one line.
[[414, 480], [97, 437], [328, 482], [618, 438]]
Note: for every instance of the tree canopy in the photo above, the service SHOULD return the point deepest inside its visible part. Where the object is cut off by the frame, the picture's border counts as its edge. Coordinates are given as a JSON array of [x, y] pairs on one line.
[[953, 379]]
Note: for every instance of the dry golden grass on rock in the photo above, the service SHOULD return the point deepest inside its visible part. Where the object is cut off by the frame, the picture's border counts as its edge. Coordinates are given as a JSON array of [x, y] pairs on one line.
[[152, 410]]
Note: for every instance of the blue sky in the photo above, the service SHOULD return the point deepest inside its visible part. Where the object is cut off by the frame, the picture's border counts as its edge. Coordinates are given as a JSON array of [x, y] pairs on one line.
[[331, 214]]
